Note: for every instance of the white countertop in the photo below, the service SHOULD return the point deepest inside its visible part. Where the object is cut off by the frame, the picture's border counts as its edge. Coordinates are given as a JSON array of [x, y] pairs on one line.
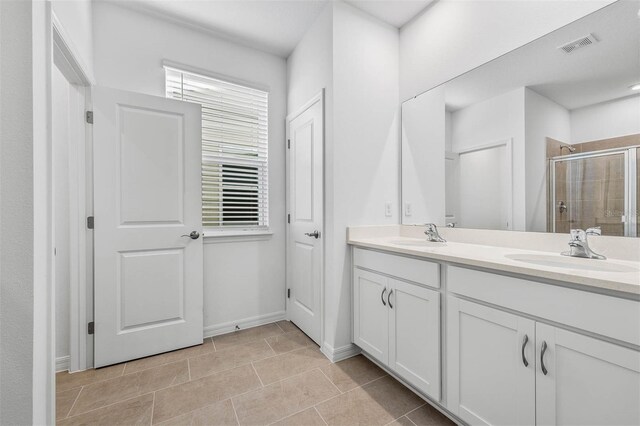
[[611, 274]]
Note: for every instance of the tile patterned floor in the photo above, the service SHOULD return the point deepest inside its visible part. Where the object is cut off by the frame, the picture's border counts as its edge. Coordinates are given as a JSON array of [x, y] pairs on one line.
[[273, 374]]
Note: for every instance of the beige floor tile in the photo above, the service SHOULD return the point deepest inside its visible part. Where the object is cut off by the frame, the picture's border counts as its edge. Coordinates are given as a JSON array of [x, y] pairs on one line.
[[66, 380], [352, 372], [218, 414], [128, 386], [184, 398], [288, 364], [64, 402], [289, 341], [287, 326], [376, 403], [230, 357], [429, 416], [136, 411], [169, 357], [308, 417], [402, 421], [246, 336], [283, 398]]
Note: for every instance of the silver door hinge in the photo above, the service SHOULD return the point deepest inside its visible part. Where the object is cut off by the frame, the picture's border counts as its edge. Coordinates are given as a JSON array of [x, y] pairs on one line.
[[89, 117], [90, 328], [288, 218], [288, 293], [288, 143], [90, 223]]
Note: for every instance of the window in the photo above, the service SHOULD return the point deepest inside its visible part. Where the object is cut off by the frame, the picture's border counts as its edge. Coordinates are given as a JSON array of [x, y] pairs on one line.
[[234, 149]]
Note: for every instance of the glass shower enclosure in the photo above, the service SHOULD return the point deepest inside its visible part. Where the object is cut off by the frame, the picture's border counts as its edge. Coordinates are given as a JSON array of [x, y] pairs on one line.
[[599, 188]]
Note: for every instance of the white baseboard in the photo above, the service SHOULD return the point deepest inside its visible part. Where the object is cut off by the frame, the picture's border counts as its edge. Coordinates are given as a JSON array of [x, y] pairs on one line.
[[228, 327], [338, 354], [63, 363]]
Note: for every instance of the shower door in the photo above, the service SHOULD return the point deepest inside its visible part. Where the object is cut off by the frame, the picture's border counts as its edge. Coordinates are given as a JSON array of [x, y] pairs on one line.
[[595, 189]]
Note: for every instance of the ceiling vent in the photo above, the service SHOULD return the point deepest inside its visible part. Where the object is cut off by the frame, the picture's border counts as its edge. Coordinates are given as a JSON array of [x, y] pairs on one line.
[[585, 41]]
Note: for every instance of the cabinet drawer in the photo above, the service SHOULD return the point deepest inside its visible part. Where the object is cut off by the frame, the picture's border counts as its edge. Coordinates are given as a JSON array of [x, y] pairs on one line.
[[596, 313], [406, 268]]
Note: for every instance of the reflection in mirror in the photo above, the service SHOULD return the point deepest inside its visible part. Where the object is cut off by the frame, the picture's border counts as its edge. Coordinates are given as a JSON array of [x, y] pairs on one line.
[[545, 138]]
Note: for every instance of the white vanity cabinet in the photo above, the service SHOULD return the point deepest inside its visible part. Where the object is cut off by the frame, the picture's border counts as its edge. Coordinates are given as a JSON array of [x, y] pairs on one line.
[[588, 381], [507, 369], [398, 322], [491, 365], [517, 351], [371, 314]]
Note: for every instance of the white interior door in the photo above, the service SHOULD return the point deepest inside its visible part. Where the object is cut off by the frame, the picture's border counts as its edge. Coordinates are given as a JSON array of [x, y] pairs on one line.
[[484, 193], [147, 179], [305, 137]]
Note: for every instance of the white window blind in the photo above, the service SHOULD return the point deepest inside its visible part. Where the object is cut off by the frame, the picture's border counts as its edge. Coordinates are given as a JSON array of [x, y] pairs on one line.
[[234, 149]]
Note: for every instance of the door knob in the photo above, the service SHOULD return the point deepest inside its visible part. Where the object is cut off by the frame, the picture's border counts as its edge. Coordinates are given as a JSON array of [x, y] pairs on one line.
[[314, 234], [194, 235]]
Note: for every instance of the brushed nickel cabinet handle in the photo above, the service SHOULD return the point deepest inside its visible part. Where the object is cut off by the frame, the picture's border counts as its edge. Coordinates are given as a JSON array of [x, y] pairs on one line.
[[389, 299], [542, 351], [524, 345], [382, 296]]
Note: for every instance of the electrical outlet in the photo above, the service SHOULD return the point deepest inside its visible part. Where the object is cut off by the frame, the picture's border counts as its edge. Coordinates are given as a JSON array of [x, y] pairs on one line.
[[407, 209], [387, 210]]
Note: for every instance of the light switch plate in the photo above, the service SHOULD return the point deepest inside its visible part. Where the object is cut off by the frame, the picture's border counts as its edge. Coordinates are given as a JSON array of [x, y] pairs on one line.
[[407, 209], [387, 210]]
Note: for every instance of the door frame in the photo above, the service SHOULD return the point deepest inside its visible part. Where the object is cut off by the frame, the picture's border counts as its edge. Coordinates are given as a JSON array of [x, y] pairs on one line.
[[508, 144], [319, 97], [66, 58]]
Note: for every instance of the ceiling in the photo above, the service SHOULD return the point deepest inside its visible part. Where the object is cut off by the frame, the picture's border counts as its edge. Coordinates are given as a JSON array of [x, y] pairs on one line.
[[393, 12], [600, 72], [274, 26]]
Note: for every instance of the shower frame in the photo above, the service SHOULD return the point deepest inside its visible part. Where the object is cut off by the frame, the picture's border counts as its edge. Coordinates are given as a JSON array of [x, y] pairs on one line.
[[630, 183]]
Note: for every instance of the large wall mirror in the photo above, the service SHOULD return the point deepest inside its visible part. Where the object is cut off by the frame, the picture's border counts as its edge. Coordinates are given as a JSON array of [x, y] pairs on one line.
[[545, 138]]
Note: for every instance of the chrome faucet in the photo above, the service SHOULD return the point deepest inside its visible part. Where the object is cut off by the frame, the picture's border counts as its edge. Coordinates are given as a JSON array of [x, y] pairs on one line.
[[432, 233], [579, 246]]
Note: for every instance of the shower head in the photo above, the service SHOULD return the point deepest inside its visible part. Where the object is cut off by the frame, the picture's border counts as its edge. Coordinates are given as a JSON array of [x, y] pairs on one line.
[[568, 147]]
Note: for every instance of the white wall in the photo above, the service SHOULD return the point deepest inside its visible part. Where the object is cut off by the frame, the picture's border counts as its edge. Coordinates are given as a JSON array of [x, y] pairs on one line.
[[60, 153], [338, 53], [543, 119], [620, 117], [75, 16], [493, 120], [310, 65], [242, 279], [452, 37], [16, 214], [424, 141], [365, 147]]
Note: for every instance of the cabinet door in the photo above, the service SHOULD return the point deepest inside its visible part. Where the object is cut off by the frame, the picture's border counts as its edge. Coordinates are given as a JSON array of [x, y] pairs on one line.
[[371, 314], [491, 370], [414, 335], [587, 381]]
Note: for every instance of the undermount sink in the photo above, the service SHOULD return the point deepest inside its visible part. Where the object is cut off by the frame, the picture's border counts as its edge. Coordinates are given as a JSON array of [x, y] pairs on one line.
[[414, 242], [571, 263]]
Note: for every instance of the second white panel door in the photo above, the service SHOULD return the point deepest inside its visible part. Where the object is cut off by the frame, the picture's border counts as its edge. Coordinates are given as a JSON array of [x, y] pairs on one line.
[[305, 205]]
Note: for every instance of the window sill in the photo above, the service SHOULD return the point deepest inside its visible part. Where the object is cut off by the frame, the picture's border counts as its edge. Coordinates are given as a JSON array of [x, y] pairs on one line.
[[237, 235]]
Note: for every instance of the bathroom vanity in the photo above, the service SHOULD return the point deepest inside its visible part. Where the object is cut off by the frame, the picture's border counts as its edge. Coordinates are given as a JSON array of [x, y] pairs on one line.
[[496, 333]]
